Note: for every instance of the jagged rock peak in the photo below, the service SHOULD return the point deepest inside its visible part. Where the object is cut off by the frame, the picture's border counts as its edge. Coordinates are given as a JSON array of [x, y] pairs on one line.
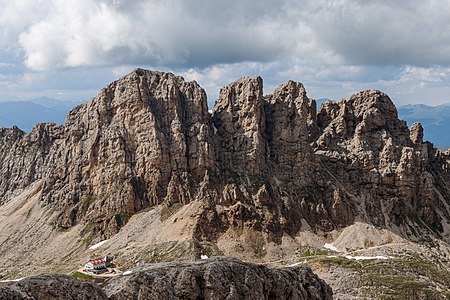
[[375, 108], [290, 90], [416, 133], [238, 117], [11, 134], [136, 144]]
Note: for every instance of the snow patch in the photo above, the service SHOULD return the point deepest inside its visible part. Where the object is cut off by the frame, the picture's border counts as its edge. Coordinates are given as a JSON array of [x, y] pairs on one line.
[[204, 256], [366, 257], [331, 247], [294, 265], [127, 272], [99, 244], [12, 280]]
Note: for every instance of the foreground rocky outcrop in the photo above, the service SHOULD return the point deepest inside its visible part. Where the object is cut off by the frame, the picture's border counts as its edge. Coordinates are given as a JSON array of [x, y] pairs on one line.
[[51, 287], [216, 278]]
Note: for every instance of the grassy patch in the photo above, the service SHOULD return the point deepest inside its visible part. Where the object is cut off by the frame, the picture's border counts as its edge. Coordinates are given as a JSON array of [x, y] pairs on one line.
[[342, 262], [401, 287], [82, 276], [411, 276], [310, 251]]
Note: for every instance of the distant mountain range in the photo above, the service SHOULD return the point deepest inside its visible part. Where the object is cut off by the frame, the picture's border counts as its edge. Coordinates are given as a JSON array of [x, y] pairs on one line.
[[435, 120], [26, 114]]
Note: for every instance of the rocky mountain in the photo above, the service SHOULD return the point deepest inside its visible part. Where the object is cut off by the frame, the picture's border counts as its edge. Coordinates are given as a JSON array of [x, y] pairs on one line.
[[435, 119], [146, 166]]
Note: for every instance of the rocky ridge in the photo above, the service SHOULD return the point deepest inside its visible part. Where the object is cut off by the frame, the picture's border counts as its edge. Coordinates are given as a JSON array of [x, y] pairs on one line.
[[217, 278]]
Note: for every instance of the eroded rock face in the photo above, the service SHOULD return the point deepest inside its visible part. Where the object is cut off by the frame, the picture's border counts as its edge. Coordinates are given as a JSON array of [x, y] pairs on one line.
[[386, 169], [217, 278], [143, 140], [261, 162], [51, 287]]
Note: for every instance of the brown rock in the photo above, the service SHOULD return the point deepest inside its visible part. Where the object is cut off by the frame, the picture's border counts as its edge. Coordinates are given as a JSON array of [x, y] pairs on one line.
[[416, 133]]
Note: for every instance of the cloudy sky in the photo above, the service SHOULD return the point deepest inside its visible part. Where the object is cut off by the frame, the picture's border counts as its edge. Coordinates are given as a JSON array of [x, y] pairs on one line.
[[69, 49]]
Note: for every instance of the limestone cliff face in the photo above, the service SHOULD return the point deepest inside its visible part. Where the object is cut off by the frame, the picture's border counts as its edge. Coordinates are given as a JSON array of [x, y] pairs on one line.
[[143, 140], [381, 167], [268, 163]]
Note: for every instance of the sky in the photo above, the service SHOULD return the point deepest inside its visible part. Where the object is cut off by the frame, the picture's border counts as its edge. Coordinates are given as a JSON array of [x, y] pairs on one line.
[[70, 49]]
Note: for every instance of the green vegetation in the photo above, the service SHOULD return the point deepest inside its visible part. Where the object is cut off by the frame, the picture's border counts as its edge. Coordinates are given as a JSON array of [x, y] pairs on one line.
[[82, 276], [412, 276], [311, 251], [401, 287], [342, 262]]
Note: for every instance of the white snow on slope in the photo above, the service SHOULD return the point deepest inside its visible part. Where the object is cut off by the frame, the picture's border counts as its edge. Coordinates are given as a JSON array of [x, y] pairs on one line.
[[93, 247], [331, 247], [366, 257]]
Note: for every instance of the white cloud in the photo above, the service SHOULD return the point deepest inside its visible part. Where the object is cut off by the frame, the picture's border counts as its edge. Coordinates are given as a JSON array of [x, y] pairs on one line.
[[6, 65], [171, 33], [432, 74], [200, 33], [335, 47], [29, 78]]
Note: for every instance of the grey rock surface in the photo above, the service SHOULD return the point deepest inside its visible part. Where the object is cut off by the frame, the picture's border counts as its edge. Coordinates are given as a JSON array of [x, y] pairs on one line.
[[51, 287], [217, 278]]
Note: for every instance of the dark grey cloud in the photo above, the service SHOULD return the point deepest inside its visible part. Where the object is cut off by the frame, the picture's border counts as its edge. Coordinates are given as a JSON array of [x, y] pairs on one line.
[[384, 32], [203, 33], [335, 47]]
